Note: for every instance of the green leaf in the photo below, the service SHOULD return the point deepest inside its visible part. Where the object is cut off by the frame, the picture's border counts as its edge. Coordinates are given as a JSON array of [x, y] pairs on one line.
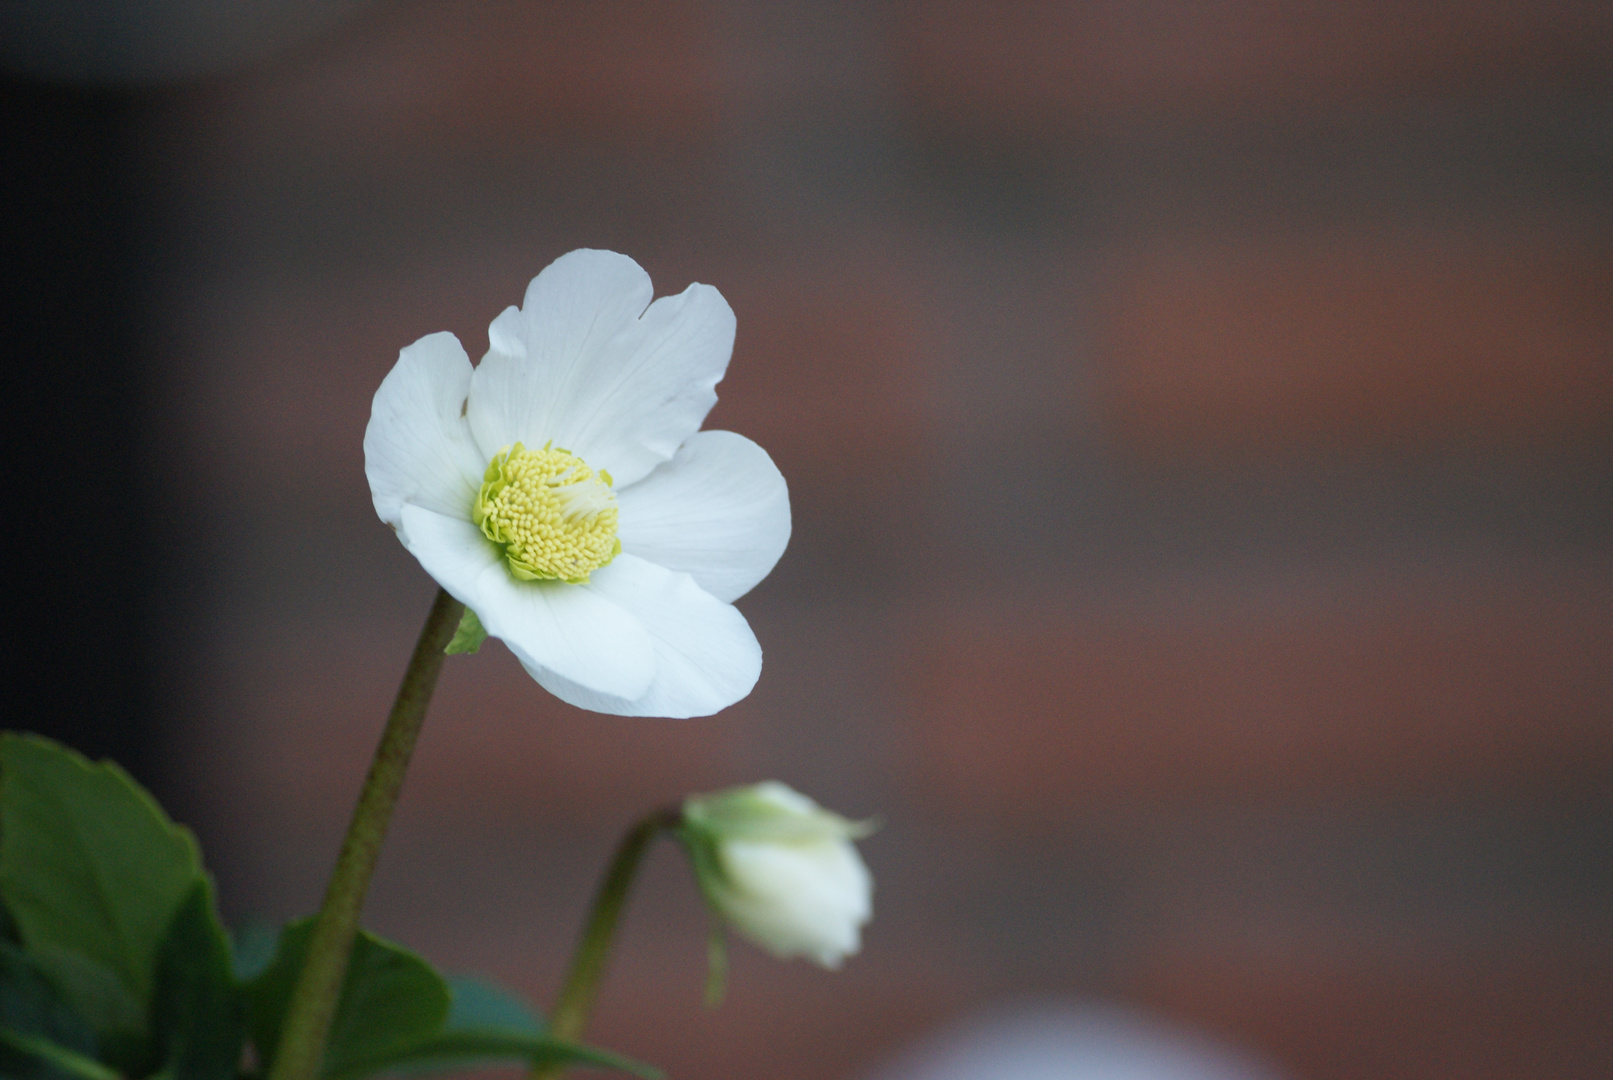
[[198, 1012], [398, 1015], [254, 949], [30, 1005], [31, 1009], [488, 1025], [92, 871], [469, 637], [450, 1051], [391, 1000], [477, 1003], [97, 994], [50, 1059]]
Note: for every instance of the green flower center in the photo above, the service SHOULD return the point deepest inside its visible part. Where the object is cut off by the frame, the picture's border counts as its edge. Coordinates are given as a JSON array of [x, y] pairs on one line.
[[553, 515]]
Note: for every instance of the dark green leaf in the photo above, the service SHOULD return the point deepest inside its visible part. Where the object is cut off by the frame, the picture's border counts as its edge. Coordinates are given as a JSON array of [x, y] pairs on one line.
[[391, 999], [450, 1050], [398, 1015], [31, 1008], [198, 1012], [469, 636], [254, 949], [30, 1005], [488, 1025], [95, 991], [477, 1003], [92, 871], [51, 1059]]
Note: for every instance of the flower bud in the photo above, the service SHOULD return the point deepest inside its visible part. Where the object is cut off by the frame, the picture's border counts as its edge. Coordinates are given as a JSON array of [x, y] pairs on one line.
[[781, 870]]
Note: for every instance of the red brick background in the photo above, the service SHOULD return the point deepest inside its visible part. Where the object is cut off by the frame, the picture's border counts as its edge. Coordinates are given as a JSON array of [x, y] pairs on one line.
[[1197, 420]]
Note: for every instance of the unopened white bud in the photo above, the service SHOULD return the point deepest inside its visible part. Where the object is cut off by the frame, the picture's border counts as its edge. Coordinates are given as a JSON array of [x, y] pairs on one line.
[[781, 870]]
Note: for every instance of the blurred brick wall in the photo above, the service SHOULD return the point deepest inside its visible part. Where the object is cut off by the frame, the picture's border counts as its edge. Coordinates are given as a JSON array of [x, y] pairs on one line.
[[1197, 420]]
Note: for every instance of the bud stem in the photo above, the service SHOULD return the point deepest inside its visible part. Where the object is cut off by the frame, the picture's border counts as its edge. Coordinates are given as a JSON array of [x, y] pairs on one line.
[[587, 968], [319, 986]]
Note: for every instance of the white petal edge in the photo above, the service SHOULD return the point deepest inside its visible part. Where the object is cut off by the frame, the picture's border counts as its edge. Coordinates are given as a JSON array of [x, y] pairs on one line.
[[653, 385], [706, 657], [550, 626], [418, 447], [571, 310], [718, 511], [620, 385]]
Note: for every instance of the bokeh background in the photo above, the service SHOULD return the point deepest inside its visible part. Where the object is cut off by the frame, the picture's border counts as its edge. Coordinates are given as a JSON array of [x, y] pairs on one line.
[[1198, 424]]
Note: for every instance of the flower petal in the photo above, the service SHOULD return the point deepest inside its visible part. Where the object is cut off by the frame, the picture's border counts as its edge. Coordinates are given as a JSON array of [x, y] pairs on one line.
[[602, 372], [572, 309], [653, 385], [418, 447], [719, 511], [549, 626], [706, 657], [451, 549], [797, 899]]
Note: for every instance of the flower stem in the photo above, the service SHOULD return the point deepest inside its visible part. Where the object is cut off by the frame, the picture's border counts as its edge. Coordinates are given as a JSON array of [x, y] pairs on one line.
[[593, 949], [319, 987]]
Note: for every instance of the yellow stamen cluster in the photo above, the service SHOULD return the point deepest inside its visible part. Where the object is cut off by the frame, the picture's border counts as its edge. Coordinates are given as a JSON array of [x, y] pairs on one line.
[[554, 516]]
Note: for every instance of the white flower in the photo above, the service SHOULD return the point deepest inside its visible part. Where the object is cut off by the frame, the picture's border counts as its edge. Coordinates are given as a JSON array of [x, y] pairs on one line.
[[608, 567], [781, 870]]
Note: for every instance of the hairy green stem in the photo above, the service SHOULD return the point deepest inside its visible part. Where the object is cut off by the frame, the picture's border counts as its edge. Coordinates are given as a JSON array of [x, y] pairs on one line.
[[319, 987], [587, 968]]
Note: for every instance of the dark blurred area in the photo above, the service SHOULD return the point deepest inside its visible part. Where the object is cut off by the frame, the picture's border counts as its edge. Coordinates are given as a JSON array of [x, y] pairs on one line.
[[1198, 422], [78, 573]]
